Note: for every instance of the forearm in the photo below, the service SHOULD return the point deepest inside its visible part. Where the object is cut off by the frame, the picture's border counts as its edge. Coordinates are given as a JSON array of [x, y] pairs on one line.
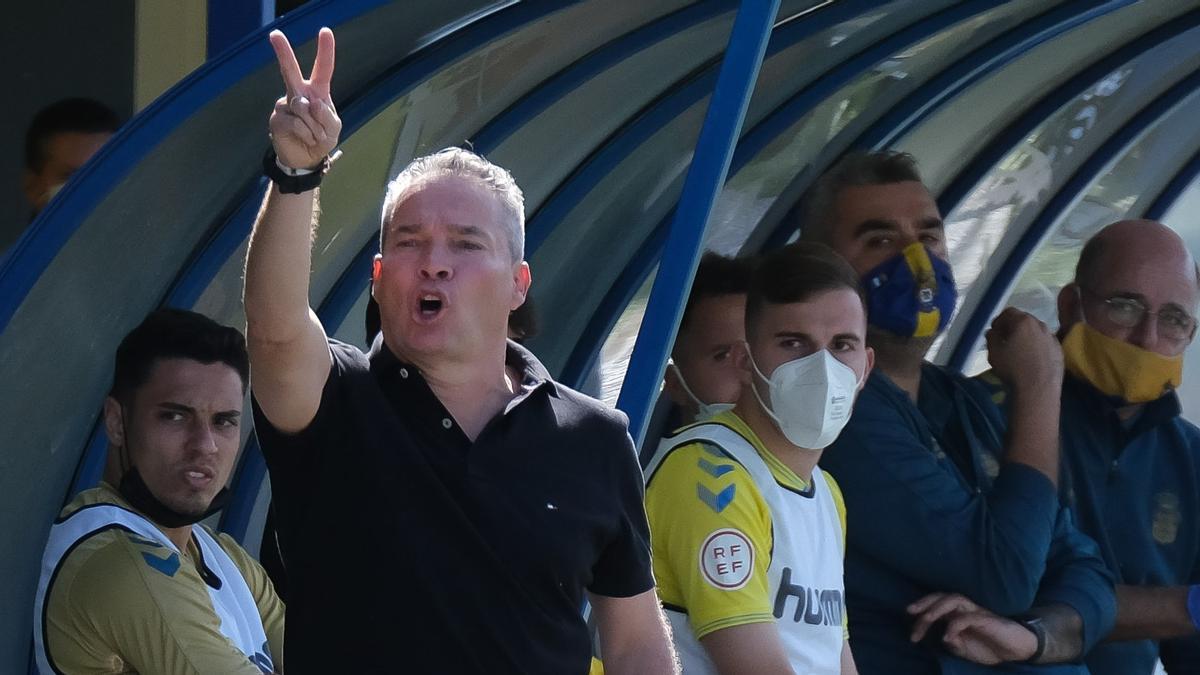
[[1064, 633], [848, 665], [750, 649], [277, 268], [1033, 428], [658, 661], [635, 638], [1152, 613]]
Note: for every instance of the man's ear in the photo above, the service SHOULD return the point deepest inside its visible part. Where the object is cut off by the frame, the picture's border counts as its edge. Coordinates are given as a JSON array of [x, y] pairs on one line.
[[870, 367], [673, 389], [31, 187], [114, 425], [741, 359], [376, 270], [1070, 310], [522, 280]]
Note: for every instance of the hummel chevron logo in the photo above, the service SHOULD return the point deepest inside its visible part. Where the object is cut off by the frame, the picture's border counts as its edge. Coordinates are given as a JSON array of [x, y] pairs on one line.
[[168, 565], [717, 501], [714, 470]]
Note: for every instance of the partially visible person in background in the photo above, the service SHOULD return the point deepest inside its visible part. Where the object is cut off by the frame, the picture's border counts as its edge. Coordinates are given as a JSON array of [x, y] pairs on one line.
[[61, 138], [701, 379]]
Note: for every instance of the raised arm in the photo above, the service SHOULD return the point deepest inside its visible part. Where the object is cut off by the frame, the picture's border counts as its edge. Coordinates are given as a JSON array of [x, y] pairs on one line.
[[1028, 360], [289, 355]]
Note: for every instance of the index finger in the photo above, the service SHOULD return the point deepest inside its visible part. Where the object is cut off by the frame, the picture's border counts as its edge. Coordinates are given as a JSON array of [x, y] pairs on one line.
[[925, 602], [931, 615], [322, 72], [293, 79]]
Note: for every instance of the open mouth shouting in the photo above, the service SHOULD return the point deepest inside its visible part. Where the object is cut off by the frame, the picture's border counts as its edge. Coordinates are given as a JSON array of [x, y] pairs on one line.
[[430, 305]]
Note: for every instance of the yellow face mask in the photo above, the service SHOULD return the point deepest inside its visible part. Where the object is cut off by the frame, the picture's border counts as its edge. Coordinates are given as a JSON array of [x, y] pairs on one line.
[[1117, 368]]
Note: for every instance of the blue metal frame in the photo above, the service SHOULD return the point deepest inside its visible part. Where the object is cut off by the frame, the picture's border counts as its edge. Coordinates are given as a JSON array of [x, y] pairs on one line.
[[235, 519], [706, 175], [231, 20], [1011, 137], [1182, 180], [1079, 182]]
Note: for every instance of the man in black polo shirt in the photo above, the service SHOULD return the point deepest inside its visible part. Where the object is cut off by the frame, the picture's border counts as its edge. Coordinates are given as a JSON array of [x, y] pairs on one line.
[[442, 503]]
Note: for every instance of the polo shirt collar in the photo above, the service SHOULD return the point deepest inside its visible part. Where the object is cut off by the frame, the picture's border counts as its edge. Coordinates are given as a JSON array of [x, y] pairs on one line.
[[1159, 411], [533, 374]]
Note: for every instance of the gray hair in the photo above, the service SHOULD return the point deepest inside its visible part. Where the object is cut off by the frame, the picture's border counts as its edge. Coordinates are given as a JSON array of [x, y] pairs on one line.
[[464, 164], [853, 170]]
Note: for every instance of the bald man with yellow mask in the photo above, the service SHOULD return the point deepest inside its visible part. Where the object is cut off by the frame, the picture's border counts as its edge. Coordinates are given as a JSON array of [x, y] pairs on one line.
[[1131, 463]]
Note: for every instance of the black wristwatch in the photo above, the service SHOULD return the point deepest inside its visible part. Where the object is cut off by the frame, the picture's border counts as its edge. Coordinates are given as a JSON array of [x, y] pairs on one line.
[[1034, 624], [293, 183]]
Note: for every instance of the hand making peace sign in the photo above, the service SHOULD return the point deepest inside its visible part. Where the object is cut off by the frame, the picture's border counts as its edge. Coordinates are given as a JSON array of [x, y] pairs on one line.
[[304, 125]]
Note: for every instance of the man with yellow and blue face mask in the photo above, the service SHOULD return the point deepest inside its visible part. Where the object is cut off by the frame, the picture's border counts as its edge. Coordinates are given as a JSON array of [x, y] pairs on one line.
[[960, 558], [1131, 464]]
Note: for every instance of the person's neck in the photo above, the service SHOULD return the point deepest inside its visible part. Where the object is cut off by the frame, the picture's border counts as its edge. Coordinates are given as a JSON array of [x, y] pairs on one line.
[[178, 535], [900, 359], [800, 460], [474, 388], [1128, 412]]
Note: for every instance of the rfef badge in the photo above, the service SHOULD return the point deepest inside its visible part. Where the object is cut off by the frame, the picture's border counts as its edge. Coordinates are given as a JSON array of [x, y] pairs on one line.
[[727, 559]]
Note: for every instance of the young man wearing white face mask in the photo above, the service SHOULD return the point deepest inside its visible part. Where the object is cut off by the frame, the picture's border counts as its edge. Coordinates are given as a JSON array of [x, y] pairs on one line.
[[702, 378], [748, 534]]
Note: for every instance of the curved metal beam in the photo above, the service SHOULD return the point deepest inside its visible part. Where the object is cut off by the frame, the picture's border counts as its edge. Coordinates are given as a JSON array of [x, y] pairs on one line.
[[1182, 180], [943, 87], [1011, 137]]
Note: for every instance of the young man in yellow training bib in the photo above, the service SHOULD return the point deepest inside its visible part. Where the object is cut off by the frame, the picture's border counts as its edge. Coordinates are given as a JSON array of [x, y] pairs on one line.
[[748, 534]]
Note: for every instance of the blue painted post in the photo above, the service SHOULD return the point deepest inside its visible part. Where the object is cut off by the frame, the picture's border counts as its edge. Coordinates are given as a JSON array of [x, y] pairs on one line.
[[714, 149], [231, 20]]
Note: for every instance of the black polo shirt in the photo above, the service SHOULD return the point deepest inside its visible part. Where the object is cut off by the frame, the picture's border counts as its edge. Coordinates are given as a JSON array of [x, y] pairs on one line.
[[409, 548]]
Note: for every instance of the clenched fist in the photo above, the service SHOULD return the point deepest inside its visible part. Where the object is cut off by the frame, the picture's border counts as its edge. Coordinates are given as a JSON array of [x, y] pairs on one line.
[[1023, 352]]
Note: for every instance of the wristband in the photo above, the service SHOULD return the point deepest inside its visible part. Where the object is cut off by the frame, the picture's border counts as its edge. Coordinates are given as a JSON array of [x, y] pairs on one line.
[[293, 181], [1193, 605], [1035, 625]]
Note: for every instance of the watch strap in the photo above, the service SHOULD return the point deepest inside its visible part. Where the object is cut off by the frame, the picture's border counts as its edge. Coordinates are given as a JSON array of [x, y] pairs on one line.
[[1034, 624], [293, 181]]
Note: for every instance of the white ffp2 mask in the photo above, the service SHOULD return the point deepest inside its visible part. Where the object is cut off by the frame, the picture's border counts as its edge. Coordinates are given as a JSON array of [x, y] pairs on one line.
[[811, 398], [704, 410]]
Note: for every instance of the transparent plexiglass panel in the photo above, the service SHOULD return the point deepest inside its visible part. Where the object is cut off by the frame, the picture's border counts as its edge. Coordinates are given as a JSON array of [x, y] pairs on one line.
[[828, 128], [1123, 190], [606, 227], [983, 229]]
